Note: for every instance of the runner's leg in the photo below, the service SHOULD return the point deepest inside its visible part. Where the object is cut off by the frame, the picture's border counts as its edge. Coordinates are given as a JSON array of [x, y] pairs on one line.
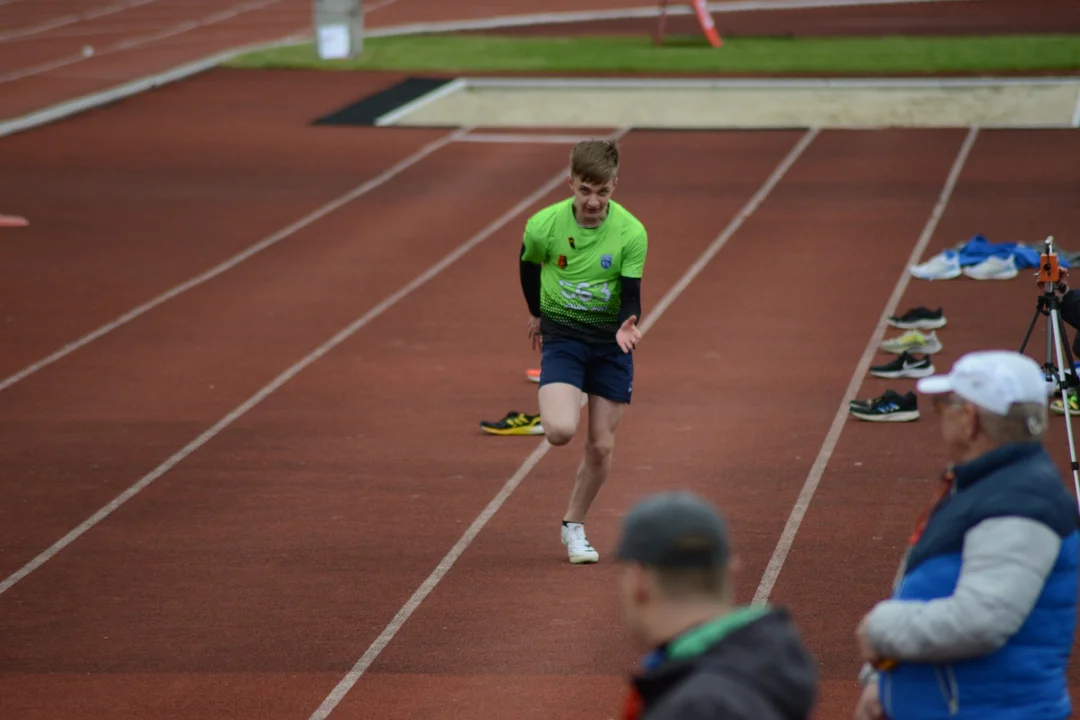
[[609, 384], [562, 375]]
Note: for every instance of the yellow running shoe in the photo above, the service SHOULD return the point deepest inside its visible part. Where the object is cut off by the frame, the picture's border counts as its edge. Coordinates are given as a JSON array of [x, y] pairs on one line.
[[515, 423], [1074, 405], [913, 341]]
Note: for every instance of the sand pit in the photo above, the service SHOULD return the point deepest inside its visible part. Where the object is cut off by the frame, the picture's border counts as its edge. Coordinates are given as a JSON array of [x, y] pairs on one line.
[[719, 104]]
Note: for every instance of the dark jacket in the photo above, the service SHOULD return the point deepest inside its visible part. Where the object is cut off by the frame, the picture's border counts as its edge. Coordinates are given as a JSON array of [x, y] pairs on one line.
[[1070, 314], [747, 665]]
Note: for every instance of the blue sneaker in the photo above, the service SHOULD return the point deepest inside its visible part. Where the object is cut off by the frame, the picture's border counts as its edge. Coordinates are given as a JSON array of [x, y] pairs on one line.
[[890, 406]]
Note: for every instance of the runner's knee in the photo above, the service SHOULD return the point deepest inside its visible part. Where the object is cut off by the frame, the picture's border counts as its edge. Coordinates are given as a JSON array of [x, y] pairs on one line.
[[558, 432], [599, 446]]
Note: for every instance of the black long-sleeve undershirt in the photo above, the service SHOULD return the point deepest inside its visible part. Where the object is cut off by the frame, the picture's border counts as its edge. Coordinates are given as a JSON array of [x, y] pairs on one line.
[[530, 282], [631, 299]]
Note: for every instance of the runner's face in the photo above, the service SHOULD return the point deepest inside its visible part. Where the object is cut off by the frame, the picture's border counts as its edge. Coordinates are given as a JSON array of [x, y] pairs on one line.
[[591, 199]]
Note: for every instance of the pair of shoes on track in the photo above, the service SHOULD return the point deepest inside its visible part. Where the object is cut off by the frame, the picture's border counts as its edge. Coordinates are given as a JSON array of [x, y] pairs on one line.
[[892, 406], [920, 337]]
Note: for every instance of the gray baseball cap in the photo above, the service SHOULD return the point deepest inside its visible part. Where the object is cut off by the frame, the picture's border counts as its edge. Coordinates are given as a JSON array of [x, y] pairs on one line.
[[676, 530]]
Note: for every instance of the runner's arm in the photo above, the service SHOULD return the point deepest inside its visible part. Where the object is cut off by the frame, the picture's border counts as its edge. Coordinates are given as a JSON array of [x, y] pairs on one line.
[[631, 298], [530, 282], [633, 269]]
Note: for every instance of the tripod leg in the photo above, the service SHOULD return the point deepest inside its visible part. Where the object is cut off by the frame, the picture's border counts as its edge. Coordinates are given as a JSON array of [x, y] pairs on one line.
[[1034, 319], [1070, 371], [1057, 335]]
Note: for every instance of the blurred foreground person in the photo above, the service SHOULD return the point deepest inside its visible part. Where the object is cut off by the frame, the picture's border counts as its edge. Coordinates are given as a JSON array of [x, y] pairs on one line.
[[707, 659]]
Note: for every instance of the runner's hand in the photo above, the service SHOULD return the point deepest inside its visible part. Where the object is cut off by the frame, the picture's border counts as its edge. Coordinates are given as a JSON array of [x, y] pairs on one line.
[[534, 333], [628, 336]]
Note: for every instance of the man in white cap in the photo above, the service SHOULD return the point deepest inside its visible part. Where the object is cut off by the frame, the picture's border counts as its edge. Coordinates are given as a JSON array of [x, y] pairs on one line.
[[982, 618]]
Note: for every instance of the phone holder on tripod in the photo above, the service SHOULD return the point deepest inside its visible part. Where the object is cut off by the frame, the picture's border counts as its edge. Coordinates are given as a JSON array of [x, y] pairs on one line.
[[1057, 343]]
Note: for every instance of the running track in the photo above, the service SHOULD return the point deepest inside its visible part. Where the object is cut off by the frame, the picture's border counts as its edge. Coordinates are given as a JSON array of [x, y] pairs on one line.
[[249, 578], [265, 557]]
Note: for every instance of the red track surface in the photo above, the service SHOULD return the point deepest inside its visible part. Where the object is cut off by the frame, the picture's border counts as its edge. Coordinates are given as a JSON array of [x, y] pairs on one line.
[[248, 579]]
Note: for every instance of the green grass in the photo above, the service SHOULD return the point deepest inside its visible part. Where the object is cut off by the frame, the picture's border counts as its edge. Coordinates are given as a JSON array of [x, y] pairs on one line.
[[892, 54]]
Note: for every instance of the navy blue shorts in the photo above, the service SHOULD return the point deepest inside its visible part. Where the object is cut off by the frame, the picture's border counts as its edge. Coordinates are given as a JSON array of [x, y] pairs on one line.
[[602, 370]]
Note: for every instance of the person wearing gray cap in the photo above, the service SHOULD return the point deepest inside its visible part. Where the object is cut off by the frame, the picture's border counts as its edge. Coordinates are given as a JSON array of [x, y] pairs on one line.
[[707, 659], [981, 621]]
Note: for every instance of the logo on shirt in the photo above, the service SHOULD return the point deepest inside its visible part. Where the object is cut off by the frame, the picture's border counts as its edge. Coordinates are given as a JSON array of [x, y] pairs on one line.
[[605, 261], [571, 241], [562, 261]]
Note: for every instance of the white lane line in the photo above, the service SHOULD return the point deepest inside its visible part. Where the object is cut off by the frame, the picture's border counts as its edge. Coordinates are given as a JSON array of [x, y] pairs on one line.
[[440, 571], [802, 503], [240, 257], [523, 138], [72, 19], [168, 32], [281, 379]]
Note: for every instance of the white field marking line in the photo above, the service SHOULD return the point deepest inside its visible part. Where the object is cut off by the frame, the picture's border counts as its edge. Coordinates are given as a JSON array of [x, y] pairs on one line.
[[802, 503], [149, 82], [283, 378], [446, 90], [584, 16], [1076, 110], [645, 83], [178, 29], [240, 257], [522, 138], [440, 571], [72, 19]]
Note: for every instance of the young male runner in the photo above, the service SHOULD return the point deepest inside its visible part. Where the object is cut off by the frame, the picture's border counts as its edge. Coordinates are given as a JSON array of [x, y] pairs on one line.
[[581, 265]]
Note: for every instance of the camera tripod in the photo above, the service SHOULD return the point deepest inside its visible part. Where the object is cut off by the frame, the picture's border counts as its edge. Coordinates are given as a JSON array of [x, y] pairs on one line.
[[1057, 343]]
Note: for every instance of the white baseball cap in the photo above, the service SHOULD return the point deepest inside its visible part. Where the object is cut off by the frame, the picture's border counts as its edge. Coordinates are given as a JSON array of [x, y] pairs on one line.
[[991, 379]]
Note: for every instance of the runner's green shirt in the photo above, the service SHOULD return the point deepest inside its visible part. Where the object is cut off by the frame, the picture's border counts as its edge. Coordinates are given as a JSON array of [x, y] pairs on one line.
[[580, 290]]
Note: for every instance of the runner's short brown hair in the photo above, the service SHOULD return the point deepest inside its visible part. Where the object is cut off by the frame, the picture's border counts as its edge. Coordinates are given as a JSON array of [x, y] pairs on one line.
[[595, 161]]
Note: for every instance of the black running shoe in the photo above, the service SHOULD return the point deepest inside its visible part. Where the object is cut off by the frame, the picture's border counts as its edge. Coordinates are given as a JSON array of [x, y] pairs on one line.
[[904, 366], [919, 318], [891, 406]]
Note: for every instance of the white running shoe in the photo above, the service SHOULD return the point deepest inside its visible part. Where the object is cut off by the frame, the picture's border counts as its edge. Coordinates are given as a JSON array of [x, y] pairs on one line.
[[993, 268], [943, 266], [577, 547]]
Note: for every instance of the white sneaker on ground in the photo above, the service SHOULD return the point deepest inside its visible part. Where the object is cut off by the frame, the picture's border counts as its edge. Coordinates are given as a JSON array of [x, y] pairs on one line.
[[577, 547], [993, 268], [943, 266]]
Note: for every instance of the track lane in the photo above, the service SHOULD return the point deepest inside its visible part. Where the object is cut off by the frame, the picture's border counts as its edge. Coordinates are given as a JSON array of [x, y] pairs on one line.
[[1016, 186], [127, 402], [114, 226], [305, 502], [745, 340]]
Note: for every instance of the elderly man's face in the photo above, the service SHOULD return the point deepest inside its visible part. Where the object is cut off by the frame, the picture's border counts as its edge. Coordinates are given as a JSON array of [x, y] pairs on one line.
[[959, 424]]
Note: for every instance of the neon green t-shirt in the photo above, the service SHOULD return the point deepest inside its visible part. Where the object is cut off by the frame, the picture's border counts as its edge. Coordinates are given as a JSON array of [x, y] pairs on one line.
[[580, 290]]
